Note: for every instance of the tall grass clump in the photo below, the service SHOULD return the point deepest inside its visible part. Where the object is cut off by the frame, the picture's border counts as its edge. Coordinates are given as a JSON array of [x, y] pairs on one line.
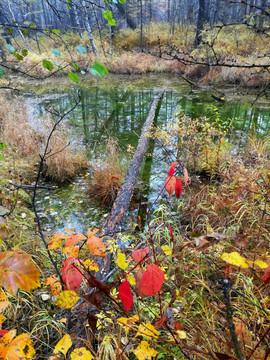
[[108, 175], [25, 143]]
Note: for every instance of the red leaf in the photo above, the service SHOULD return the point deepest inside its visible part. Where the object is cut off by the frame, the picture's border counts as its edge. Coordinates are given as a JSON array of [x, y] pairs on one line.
[[177, 325], [71, 276], [266, 276], [152, 280], [170, 184], [160, 322], [178, 187], [138, 287], [125, 295], [172, 168], [139, 254], [171, 232]]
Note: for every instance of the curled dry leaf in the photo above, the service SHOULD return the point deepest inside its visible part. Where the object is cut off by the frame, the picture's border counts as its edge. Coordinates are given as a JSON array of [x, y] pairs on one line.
[[185, 176]]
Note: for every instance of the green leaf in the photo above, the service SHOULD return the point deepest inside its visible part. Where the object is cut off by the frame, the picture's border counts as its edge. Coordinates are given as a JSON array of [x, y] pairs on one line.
[[81, 49], [69, 7], [32, 25], [2, 73], [47, 30], [47, 65], [2, 146], [10, 31], [122, 1], [24, 31], [56, 52], [107, 14], [24, 52], [41, 39], [18, 56], [67, 33], [73, 77], [55, 31], [98, 69], [75, 65], [10, 48]]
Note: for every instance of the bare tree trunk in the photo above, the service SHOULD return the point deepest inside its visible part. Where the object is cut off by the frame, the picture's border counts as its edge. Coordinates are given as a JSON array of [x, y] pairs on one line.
[[88, 28], [200, 23], [141, 26], [124, 12]]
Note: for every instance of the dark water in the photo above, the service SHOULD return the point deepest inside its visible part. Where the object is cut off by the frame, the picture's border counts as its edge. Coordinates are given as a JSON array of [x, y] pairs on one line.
[[118, 107]]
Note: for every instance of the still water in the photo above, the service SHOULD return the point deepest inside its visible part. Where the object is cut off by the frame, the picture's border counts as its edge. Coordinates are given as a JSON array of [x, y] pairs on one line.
[[117, 106]]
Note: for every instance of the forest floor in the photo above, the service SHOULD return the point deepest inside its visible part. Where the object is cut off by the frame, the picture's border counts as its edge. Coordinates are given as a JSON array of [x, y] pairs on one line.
[[210, 249]]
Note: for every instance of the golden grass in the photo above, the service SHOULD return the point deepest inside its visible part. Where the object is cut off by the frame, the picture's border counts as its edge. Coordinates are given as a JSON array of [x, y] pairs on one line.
[[107, 176], [233, 43], [24, 144]]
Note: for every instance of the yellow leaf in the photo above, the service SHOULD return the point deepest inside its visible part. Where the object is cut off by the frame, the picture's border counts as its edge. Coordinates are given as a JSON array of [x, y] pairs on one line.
[[91, 265], [235, 258], [3, 301], [17, 271], [56, 241], [126, 323], [81, 354], [71, 251], [131, 279], [166, 249], [67, 299], [20, 348], [63, 345], [260, 263], [2, 319], [181, 334], [121, 261], [147, 330], [144, 351]]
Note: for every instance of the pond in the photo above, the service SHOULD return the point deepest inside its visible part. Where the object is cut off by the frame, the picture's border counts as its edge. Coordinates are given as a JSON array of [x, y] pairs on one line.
[[117, 106]]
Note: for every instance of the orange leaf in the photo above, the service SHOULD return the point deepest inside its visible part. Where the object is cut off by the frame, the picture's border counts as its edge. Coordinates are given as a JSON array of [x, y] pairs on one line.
[[74, 239], [170, 184], [96, 246], [17, 271], [20, 348]]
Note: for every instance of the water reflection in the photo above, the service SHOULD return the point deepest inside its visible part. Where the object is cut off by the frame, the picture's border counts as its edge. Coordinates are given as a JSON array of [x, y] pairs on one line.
[[120, 110]]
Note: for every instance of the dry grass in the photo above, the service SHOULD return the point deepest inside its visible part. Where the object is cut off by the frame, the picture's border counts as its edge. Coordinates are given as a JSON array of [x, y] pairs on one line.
[[24, 144], [108, 176]]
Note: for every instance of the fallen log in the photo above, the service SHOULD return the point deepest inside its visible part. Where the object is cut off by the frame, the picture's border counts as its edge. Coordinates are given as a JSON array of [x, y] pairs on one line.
[[115, 220]]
